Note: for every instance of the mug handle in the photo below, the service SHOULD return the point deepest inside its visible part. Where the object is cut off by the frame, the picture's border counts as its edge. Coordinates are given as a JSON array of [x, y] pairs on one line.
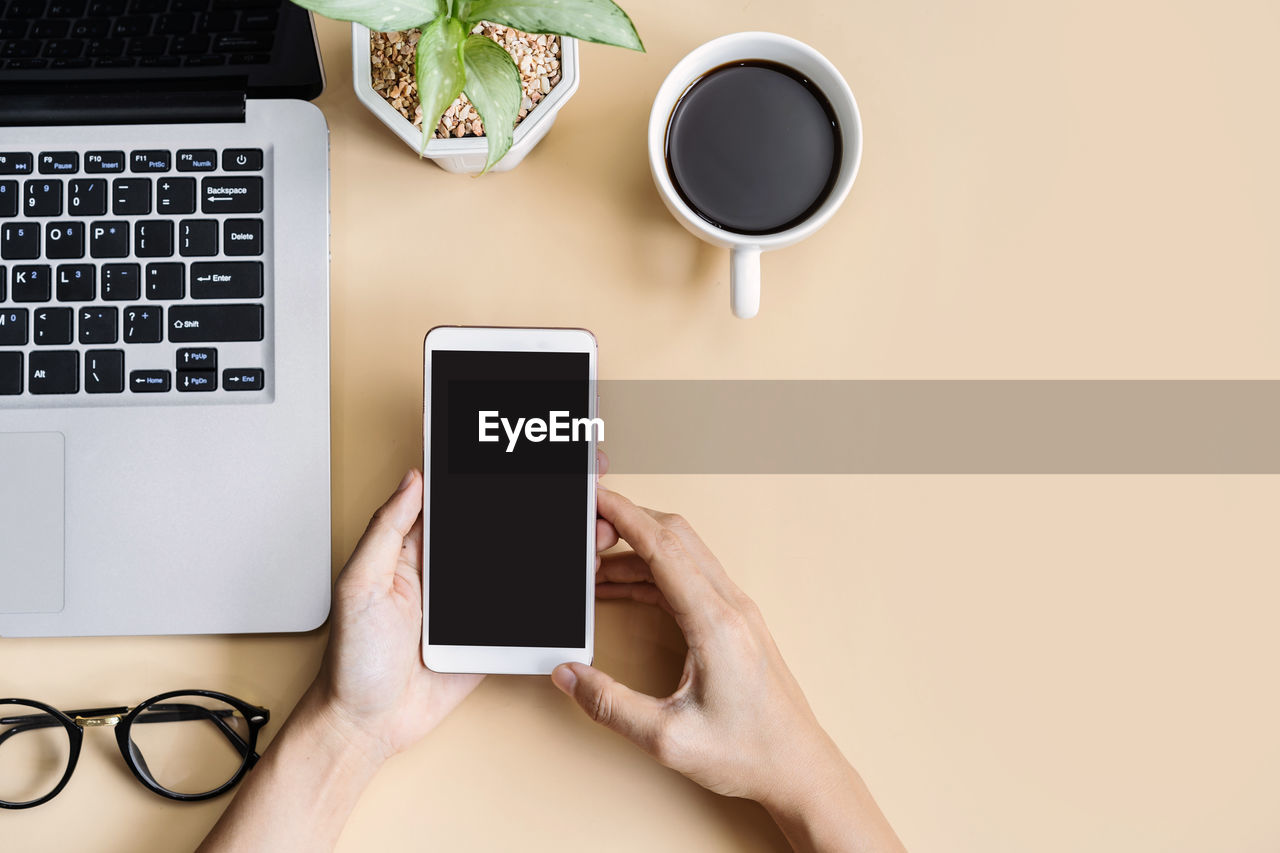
[[744, 281]]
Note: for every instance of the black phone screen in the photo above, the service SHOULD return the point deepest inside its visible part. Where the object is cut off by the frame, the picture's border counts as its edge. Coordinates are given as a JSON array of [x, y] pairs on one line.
[[507, 526]]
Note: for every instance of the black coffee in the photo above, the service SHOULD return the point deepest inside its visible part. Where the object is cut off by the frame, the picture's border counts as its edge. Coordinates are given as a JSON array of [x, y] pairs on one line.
[[753, 147]]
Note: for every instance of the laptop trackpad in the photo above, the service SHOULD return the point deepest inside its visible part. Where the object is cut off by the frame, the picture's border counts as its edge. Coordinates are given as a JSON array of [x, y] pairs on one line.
[[32, 506]]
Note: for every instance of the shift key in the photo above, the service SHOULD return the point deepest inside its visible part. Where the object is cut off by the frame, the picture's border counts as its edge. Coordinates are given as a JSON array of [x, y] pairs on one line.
[[226, 280], [214, 323]]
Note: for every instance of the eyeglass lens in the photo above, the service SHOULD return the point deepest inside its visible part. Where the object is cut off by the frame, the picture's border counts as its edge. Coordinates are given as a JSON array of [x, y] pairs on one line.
[[35, 750], [189, 744]]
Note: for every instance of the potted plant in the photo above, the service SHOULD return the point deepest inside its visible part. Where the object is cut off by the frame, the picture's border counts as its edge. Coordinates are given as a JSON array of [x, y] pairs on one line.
[[464, 48]]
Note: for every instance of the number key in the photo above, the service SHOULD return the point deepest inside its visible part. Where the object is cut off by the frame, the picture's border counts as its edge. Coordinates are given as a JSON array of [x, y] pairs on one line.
[[31, 284], [8, 198], [19, 241], [44, 198], [143, 324], [75, 282], [88, 197], [109, 239], [64, 240], [13, 327]]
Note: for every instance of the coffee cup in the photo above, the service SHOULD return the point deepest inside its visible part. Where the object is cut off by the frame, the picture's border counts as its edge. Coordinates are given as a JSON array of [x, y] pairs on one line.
[[745, 248]]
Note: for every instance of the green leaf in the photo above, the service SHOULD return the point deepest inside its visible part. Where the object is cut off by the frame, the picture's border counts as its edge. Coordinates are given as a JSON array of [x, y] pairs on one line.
[[493, 87], [590, 20], [439, 71], [379, 15]]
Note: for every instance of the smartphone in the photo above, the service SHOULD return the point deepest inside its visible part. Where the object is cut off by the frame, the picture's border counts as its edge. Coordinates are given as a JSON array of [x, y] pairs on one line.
[[510, 426]]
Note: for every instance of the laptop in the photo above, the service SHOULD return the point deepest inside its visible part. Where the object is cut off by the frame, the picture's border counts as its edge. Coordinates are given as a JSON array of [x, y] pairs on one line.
[[164, 325]]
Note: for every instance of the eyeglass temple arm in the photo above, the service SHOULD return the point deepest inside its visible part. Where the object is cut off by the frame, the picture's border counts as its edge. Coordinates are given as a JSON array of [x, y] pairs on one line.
[[27, 722], [166, 713]]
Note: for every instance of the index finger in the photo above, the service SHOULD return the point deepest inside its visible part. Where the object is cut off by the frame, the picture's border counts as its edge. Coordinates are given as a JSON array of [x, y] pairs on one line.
[[674, 571]]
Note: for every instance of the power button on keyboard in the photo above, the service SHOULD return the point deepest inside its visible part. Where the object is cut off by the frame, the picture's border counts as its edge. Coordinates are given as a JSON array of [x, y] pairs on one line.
[[242, 160]]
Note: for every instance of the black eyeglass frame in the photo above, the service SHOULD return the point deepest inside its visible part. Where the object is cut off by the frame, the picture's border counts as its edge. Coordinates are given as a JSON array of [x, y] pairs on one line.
[[123, 718]]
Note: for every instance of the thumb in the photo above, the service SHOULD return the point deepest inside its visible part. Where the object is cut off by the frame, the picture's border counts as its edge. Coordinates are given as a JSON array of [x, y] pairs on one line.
[[633, 715], [376, 554]]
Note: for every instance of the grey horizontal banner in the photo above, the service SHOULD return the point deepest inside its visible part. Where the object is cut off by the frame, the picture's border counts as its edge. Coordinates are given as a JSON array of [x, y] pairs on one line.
[[941, 427]]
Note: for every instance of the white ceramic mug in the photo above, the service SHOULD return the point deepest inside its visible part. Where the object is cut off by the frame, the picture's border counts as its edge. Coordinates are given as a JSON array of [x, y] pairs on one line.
[[745, 249]]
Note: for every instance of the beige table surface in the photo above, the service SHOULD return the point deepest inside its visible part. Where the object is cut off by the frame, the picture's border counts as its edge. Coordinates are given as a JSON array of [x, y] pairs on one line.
[[1035, 663]]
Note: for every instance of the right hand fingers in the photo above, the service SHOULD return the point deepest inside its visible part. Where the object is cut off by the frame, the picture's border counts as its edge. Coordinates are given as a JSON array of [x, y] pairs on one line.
[[633, 715], [674, 571]]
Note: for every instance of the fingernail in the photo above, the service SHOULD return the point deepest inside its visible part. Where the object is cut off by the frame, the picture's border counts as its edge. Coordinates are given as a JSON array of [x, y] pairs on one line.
[[404, 484], [564, 678]]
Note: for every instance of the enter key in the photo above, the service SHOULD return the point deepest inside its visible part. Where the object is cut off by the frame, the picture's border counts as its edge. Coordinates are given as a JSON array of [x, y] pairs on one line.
[[226, 280]]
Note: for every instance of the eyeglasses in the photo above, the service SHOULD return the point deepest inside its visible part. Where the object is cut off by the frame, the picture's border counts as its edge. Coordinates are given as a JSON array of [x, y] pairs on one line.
[[204, 749]]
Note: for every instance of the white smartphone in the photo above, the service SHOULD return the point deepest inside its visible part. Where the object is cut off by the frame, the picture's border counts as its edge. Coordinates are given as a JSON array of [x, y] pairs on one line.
[[509, 432]]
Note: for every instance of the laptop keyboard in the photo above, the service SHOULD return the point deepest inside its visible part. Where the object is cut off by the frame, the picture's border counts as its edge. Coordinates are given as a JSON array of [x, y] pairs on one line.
[[37, 34], [133, 272]]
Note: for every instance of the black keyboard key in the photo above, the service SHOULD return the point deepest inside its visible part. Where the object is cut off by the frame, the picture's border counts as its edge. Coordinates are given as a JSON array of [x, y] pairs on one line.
[[197, 238], [90, 28], [19, 241], [176, 23], [20, 49], [165, 281], [58, 162], [75, 282], [104, 371], [226, 280], [197, 160], [63, 48], [54, 372], [104, 161], [13, 29], [231, 195], [44, 198], [131, 196], [87, 197], [243, 43], [146, 46], [109, 239], [16, 163], [242, 379], [8, 198], [32, 284], [147, 7], [154, 160], [4, 272], [205, 61], [50, 28], [159, 62], [197, 380], [66, 8], [10, 373], [153, 238], [106, 8], [13, 327], [69, 63], [255, 21], [143, 324], [64, 240], [27, 64], [99, 325], [188, 5], [217, 21], [52, 327], [115, 62], [242, 237], [149, 381], [107, 48], [26, 8], [176, 195], [189, 45], [197, 358], [215, 323], [131, 26], [242, 160], [121, 282]]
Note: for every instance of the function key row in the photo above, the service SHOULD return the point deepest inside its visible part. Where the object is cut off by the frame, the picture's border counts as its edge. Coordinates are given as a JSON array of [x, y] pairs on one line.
[[58, 372], [141, 160]]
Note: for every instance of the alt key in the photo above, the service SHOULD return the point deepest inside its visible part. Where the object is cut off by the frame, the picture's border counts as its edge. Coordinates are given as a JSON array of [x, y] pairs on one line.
[[242, 379]]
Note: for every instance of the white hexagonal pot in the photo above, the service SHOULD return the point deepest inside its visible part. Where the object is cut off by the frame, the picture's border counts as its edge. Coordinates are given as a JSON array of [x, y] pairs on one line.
[[467, 155]]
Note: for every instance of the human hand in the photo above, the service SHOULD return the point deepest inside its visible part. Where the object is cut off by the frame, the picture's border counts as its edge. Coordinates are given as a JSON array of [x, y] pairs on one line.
[[373, 685], [738, 722]]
